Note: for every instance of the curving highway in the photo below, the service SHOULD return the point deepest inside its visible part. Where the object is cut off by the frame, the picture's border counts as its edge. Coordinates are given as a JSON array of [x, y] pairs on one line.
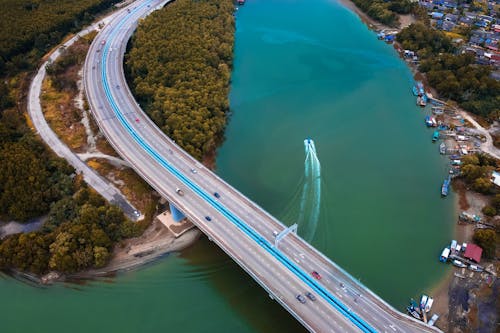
[[236, 224]]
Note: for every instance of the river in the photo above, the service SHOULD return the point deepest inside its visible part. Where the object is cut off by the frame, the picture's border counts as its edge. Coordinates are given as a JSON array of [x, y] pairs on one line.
[[303, 68]]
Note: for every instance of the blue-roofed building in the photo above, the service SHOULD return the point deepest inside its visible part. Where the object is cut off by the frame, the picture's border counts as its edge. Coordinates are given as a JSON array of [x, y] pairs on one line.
[[437, 15]]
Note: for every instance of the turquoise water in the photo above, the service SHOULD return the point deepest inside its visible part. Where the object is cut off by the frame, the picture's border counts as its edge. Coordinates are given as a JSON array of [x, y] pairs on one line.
[[312, 69], [302, 68]]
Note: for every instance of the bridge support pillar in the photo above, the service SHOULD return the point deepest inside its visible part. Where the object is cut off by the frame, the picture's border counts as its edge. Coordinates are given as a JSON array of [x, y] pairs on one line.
[[177, 215]]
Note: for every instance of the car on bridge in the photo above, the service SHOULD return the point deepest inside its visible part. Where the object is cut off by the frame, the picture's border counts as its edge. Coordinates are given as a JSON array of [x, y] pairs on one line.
[[179, 191], [310, 296], [316, 275], [300, 298], [208, 218], [217, 195]]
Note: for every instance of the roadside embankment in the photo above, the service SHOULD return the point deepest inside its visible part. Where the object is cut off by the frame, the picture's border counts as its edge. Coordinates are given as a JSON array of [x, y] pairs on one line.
[[155, 242]]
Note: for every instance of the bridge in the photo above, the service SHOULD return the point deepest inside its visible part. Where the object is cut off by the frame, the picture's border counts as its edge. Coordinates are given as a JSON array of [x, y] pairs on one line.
[[238, 226]]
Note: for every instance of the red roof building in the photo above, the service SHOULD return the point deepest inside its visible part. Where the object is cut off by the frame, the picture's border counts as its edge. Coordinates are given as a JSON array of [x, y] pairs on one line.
[[473, 252]]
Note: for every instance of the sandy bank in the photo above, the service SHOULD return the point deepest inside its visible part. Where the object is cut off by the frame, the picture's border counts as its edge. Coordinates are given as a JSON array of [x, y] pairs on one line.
[[155, 242], [404, 20]]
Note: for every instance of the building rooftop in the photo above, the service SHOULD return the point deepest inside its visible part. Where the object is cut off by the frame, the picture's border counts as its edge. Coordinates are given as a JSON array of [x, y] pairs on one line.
[[473, 252]]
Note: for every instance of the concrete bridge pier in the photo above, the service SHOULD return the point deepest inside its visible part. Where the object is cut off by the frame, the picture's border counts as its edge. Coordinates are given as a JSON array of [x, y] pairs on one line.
[[177, 215]]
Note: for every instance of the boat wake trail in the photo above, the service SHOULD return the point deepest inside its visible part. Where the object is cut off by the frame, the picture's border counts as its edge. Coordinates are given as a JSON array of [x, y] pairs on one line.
[[304, 204], [310, 201]]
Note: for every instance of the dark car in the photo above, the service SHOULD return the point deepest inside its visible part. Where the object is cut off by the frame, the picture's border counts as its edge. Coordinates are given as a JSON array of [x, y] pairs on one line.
[[217, 195], [300, 298], [316, 275], [208, 218], [311, 296]]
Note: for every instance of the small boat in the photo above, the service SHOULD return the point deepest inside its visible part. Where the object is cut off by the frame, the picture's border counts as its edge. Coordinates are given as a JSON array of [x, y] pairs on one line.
[[418, 89], [435, 136], [415, 90], [475, 268], [445, 187], [458, 263], [445, 254], [411, 310], [454, 157], [442, 148], [428, 121], [423, 100], [428, 304], [433, 319], [423, 301], [437, 110]]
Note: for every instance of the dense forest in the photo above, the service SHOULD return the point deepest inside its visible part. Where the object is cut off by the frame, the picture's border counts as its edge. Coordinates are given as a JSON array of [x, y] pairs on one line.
[[81, 228], [385, 11], [454, 76], [29, 28], [179, 65], [79, 233], [476, 171]]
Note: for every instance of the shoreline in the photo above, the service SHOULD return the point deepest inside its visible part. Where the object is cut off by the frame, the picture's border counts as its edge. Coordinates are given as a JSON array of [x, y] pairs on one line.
[[372, 24], [440, 289], [131, 254], [155, 242]]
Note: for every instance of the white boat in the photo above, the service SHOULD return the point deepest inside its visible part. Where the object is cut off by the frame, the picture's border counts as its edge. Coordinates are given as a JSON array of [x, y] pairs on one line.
[[429, 303], [423, 301], [475, 268], [444, 255], [442, 148], [433, 319], [458, 263]]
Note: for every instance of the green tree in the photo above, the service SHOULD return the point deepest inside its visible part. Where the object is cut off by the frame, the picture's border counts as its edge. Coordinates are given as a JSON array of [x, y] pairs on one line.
[[101, 256], [487, 240], [489, 210]]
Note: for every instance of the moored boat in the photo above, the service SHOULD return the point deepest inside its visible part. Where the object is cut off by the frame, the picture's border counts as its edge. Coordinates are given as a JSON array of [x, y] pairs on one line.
[[445, 187], [423, 301], [442, 148], [458, 263], [434, 122], [411, 310], [415, 89], [428, 121], [445, 254], [428, 304], [435, 136], [476, 268], [433, 319]]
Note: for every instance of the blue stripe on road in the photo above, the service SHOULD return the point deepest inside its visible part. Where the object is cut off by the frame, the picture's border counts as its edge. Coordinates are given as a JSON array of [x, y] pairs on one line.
[[365, 327]]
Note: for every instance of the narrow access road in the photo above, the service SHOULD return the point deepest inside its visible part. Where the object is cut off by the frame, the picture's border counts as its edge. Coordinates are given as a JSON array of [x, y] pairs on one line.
[[488, 147], [91, 177]]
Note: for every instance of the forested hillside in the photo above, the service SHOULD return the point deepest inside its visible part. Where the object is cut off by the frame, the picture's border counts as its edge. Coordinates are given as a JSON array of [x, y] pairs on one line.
[[81, 228], [179, 64], [29, 27]]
